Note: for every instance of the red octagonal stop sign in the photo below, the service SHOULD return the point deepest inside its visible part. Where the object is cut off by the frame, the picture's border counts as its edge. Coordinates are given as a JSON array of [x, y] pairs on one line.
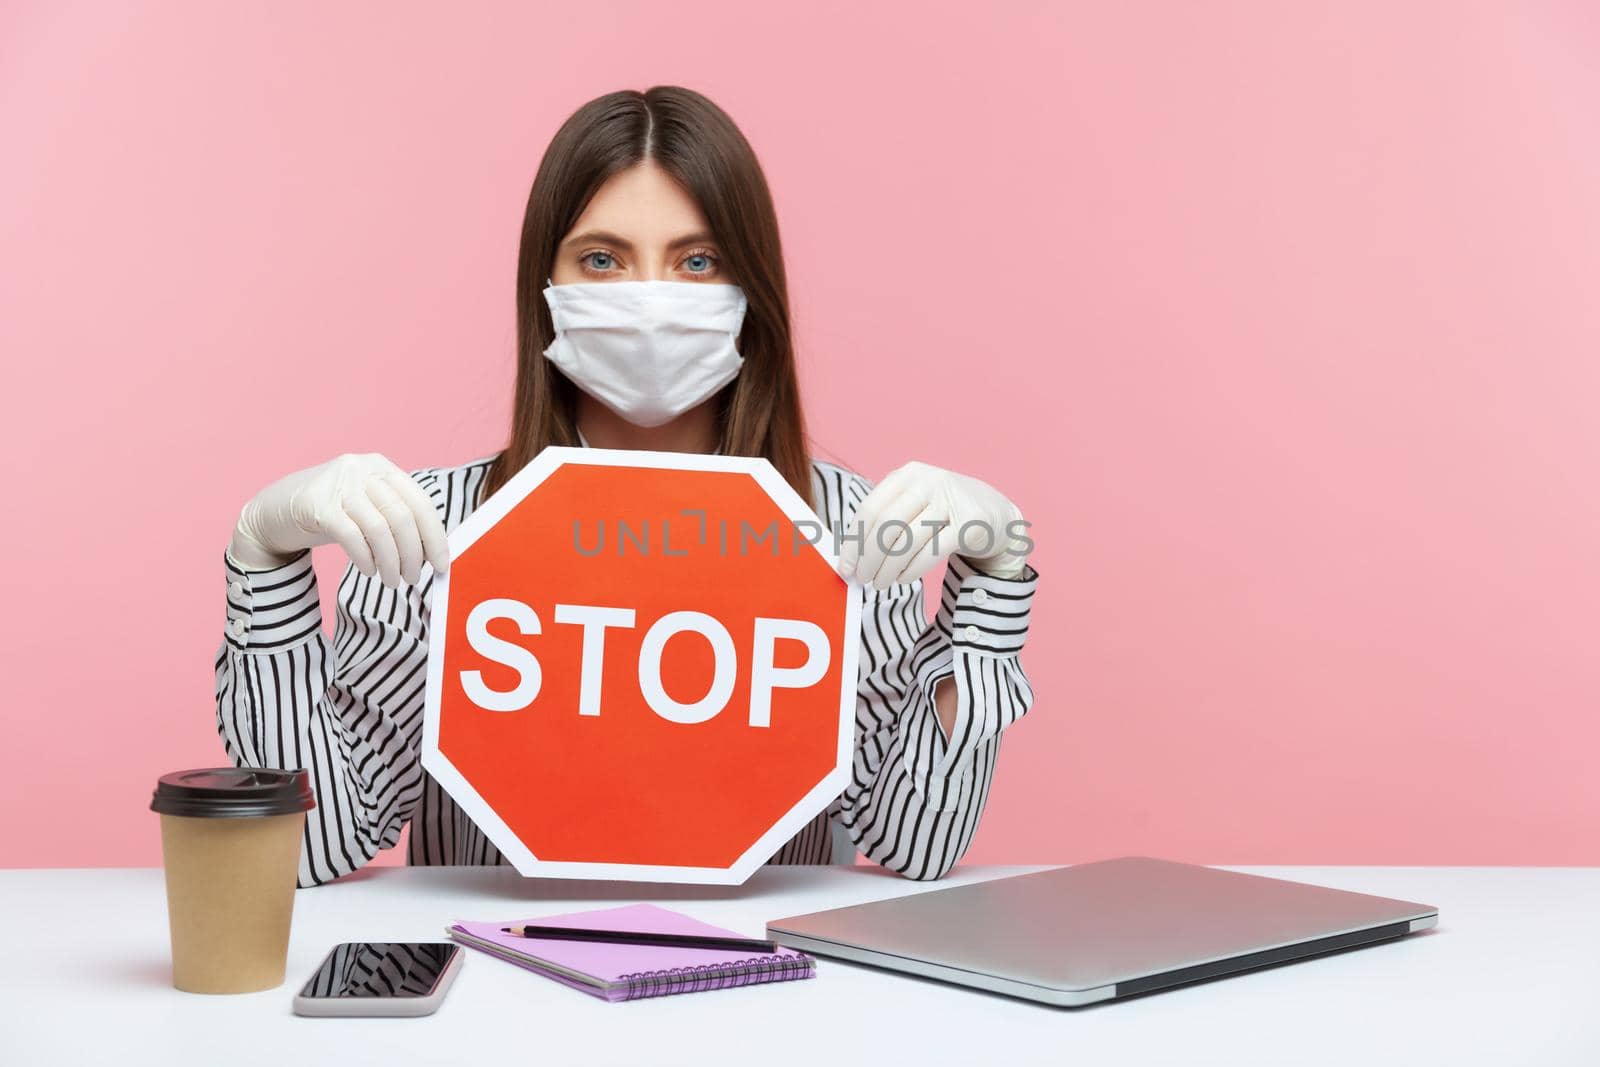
[[642, 666]]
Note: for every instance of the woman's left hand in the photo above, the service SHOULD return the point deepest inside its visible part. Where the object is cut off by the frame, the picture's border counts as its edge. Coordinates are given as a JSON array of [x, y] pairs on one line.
[[919, 514]]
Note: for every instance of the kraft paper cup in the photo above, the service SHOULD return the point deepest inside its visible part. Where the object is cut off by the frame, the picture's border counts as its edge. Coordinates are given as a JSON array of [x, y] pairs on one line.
[[230, 842]]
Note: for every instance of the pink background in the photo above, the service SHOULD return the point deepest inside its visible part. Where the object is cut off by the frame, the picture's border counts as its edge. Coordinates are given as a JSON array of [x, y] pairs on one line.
[[1281, 324]]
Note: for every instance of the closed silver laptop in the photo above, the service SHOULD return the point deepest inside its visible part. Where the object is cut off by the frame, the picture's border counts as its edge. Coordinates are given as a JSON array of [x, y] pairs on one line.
[[1098, 931]]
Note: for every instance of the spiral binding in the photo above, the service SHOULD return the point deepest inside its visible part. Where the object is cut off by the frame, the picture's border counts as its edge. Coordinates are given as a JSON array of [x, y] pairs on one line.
[[751, 971]]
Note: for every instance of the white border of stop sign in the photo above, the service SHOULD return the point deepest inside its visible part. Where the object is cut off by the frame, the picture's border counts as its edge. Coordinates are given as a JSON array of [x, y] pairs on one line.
[[516, 489]]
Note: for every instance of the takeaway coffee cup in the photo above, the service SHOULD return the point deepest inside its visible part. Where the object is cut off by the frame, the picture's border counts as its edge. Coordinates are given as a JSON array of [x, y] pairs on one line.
[[230, 842]]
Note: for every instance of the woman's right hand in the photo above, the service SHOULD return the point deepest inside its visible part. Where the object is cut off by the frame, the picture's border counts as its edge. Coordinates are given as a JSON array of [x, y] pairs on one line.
[[381, 516]]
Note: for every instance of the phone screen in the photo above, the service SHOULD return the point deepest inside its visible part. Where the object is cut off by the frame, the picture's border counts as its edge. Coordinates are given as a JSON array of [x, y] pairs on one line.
[[381, 969]]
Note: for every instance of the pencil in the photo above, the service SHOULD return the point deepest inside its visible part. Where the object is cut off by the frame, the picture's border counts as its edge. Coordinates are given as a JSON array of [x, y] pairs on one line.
[[641, 937]]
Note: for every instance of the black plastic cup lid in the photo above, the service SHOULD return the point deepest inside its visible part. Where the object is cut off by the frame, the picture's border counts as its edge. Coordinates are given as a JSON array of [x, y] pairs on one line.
[[232, 793]]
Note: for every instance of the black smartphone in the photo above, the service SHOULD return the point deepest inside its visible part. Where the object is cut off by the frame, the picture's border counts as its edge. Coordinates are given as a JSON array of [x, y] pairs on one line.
[[381, 978]]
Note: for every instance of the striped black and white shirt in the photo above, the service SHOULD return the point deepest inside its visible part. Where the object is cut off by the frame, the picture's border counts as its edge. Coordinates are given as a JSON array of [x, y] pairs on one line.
[[349, 708]]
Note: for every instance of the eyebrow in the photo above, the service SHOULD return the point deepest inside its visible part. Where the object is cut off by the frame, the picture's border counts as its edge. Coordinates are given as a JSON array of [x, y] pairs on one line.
[[606, 238]]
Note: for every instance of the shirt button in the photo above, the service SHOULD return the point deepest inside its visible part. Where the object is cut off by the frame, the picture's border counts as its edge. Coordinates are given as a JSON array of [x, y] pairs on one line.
[[980, 596], [238, 627], [971, 633], [237, 588]]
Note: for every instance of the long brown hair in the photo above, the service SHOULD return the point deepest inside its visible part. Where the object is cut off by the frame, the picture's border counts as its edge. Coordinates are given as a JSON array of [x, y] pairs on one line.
[[696, 143]]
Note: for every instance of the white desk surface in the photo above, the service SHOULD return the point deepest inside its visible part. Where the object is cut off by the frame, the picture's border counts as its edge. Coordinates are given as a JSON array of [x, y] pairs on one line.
[[1510, 976]]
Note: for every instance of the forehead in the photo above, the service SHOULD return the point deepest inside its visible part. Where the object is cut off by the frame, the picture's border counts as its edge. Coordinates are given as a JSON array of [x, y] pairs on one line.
[[644, 204]]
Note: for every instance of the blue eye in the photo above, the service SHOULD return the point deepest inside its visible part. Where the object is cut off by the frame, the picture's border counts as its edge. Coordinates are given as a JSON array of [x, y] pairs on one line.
[[600, 260], [698, 263]]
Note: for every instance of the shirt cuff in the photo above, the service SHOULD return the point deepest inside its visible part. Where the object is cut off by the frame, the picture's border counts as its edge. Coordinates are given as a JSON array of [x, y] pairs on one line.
[[985, 614], [274, 609]]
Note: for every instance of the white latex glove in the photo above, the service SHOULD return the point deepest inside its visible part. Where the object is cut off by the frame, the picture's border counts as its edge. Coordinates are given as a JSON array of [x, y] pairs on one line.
[[375, 510], [923, 497]]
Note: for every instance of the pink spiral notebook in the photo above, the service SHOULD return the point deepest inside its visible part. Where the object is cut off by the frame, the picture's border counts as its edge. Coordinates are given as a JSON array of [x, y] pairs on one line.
[[626, 972]]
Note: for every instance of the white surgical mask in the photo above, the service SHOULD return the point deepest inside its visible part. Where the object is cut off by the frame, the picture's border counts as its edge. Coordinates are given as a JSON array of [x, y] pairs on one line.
[[647, 350]]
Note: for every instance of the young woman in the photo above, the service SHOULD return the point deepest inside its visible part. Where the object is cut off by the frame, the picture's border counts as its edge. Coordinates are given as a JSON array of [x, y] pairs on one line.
[[652, 312]]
